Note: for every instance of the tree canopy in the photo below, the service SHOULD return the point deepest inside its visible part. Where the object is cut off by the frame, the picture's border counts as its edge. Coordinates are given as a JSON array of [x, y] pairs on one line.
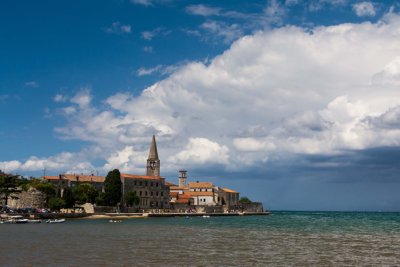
[[244, 200], [112, 188], [84, 193], [8, 186], [131, 199]]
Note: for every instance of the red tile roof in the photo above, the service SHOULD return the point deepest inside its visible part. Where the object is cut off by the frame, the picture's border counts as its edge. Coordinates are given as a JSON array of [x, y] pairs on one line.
[[201, 194], [173, 194], [170, 184], [177, 188], [200, 185], [183, 201], [134, 176], [77, 177], [230, 190]]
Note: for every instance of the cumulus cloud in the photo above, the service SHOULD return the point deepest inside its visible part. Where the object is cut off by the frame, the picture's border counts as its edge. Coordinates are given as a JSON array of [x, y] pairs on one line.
[[202, 151], [68, 162], [363, 9], [118, 28], [285, 91]]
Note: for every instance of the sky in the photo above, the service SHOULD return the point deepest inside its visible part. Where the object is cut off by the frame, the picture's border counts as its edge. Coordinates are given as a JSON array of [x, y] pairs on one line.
[[292, 103]]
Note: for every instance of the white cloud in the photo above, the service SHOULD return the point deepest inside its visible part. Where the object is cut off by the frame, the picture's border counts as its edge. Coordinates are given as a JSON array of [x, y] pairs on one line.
[[279, 92], [143, 71], [317, 5], [149, 35], [275, 11], [60, 98], [202, 151], [363, 9], [82, 98], [228, 32], [67, 162], [203, 10], [32, 84], [143, 2], [118, 28]]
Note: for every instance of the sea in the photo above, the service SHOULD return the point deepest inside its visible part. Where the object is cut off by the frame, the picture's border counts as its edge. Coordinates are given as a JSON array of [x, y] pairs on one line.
[[280, 239]]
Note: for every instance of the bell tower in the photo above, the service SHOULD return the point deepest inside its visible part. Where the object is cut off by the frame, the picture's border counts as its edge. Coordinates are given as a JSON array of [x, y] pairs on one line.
[[182, 178], [153, 163]]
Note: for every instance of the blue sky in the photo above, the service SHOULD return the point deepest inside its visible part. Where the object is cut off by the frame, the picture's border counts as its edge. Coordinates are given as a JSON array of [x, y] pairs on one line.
[[293, 103]]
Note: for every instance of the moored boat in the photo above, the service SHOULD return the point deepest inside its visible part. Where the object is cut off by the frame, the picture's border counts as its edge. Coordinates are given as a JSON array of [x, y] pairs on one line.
[[55, 221]]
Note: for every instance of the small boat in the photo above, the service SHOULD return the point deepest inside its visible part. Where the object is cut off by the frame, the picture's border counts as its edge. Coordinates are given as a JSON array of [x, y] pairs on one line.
[[21, 221], [55, 221], [206, 216], [115, 221]]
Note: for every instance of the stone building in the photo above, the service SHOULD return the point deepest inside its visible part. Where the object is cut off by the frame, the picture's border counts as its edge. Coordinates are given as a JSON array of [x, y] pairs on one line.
[[201, 194], [71, 180], [150, 188]]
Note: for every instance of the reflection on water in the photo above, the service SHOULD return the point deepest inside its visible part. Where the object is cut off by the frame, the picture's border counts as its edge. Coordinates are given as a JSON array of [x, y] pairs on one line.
[[283, 239]]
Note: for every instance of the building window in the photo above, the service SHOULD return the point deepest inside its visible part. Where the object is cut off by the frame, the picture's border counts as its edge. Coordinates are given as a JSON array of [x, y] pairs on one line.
[[145, 193], [151, 184], [134, 182], [162, 194], [140, 193], [157, 184], [157, 193], [151, 193], [146, 184], [140, 183]]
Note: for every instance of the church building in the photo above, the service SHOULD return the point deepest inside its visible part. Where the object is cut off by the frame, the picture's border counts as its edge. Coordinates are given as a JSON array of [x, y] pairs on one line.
[[150, 188]]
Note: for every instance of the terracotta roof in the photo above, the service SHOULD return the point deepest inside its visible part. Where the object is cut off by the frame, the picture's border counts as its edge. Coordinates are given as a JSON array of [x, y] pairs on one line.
[[200, 185], [185, 196], [229, 190], [84, 178], [174, 187], [184, 201], [170, 184], [134, 176], [77, 177], [173, 194], [201, 194], [48, 177]]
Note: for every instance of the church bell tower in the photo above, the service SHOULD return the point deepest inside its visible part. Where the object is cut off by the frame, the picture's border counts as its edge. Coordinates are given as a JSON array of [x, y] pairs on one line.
[[153, 163]]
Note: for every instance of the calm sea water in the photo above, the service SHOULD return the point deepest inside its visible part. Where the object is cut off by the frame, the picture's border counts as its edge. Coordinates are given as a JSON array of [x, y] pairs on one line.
[[282, 239]]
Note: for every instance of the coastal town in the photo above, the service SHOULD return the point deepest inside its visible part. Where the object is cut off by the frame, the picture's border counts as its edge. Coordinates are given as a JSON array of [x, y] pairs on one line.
[[121, 195]]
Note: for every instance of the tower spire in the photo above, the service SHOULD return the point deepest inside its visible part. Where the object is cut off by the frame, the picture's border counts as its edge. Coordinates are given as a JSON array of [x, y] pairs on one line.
[[153, 154], [153, 162]]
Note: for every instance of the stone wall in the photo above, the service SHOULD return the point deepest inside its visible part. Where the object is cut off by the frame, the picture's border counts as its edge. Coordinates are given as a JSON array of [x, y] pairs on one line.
[[32, 198], [251, 207]]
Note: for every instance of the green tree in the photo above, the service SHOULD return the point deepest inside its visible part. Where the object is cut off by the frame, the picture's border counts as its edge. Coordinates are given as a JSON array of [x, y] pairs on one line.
[[112, 188], [244, 200], [84, 193], [9, 186], [47, 188], [56, 203], [131, 199], [68, 198], [101, 199]]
